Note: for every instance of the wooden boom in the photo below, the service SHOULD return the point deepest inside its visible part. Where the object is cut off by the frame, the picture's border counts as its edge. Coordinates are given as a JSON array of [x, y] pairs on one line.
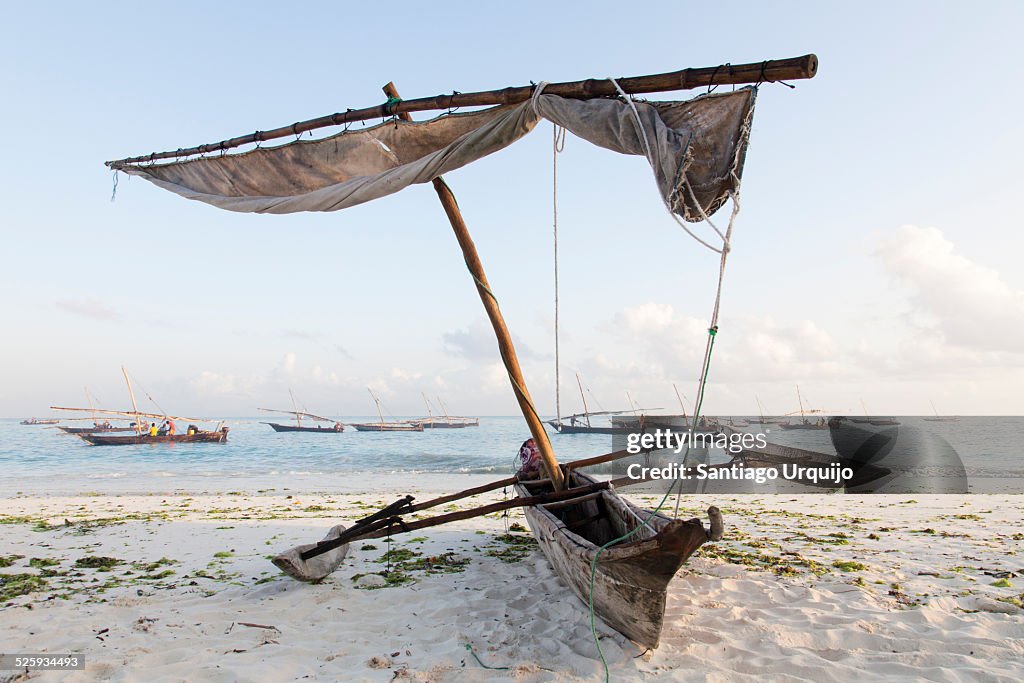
[[794, 68]]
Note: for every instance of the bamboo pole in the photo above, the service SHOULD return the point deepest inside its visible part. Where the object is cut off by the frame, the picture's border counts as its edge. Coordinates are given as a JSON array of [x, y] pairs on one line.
[[586, 410], [794, 68], [505, 346], [135, 407]]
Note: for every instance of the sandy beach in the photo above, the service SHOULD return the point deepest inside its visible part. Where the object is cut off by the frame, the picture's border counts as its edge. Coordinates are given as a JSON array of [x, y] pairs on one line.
[[178, 586]]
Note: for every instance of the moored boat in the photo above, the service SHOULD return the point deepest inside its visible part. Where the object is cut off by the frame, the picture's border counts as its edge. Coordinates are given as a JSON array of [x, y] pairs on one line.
[[388, 427], [336, 428], [97, 429], [35, 421], [218, 436]]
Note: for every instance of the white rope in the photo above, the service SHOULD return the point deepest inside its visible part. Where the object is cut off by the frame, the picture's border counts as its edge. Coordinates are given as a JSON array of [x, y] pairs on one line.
[[724, 251], [557, 146], [642, 133]]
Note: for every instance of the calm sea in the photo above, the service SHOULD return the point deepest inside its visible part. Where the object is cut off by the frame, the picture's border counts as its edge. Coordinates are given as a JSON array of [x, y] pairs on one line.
[[42, 459]]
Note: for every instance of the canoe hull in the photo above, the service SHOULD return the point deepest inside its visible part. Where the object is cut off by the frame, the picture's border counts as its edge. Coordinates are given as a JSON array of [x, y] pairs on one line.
[[95, 430], [314, 430], [631, 578], [388, 427], [133, 439]]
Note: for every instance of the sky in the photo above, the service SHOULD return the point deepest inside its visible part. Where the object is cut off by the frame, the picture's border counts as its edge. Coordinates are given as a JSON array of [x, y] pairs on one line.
[[876, 258]]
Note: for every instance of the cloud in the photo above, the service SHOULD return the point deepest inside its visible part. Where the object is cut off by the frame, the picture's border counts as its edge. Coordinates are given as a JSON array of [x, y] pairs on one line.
[[88, 308], [477, 342], [970, 305]]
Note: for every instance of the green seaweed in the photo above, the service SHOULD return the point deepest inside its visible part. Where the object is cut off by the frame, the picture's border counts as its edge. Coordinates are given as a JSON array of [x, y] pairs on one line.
[[14, 585]]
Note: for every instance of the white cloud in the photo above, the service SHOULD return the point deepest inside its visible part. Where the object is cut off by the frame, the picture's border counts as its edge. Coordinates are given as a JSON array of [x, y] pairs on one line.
[[970, 305], [88, 308]]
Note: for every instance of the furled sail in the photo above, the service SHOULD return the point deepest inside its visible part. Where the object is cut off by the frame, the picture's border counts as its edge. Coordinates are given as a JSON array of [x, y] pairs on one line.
[[700, 142]]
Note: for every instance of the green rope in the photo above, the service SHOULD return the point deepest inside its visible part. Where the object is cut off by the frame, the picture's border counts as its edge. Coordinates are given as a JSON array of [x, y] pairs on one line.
[[593, 565], [390, 104], [492, 668]]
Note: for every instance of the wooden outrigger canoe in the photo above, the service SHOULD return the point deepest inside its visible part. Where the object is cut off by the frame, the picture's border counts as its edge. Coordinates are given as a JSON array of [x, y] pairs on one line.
[[337, 428], [219, 436], [388, 427], [630, 579], [97, 429]]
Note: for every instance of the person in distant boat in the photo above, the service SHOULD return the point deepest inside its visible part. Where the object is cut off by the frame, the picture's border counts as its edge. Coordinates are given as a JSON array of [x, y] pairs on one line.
[[170, 427], [153, 431], [529, 458], [192, 429], [338, 427]]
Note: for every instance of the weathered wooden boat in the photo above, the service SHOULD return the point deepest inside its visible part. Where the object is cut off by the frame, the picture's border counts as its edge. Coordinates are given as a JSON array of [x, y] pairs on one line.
[[447, 422], [804, 424], [383, 426], [387, 426], [218, 436], [336, 428], [694, 181], [97, 429], [34, 421], [630, 579]]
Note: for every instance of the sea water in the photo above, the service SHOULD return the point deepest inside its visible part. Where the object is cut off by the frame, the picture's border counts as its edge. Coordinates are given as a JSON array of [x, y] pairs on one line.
[[44, 460]]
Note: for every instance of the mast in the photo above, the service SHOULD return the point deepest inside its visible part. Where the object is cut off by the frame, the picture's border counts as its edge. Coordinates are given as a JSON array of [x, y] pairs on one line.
[[801, 401], [934, 410], [586, 410], [88, 398], [505, 346], [678, 398], [135, 407], [760, 408], [632, 404], [444, 409], [377, 401], [430, 413], [864, 407], [295, 407]]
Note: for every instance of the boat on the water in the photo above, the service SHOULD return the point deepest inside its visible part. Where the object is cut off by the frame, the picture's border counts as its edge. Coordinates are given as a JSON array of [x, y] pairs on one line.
[[333, 426], [447, 422], [36, 421], [217, 436], [96, 429], [384, 426], [336, 428]]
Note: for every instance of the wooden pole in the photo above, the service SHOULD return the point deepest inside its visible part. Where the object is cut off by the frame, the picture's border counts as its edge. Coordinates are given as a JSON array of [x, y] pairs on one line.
[[135, 407], [377, 401], [794, 68], [505, 346], [586, 411]]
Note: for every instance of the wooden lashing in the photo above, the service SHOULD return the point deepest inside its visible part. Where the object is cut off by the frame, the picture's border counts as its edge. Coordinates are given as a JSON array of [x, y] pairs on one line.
[[505, 346]]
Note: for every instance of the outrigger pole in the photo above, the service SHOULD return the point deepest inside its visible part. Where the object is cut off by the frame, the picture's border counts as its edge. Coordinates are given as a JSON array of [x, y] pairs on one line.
[[505, 346]]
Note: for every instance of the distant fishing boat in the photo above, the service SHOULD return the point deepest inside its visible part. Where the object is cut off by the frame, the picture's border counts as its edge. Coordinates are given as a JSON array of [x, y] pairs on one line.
[[97, 437], [382, 426], [98, 428], [579, 423], [335, 426], [804, 423], [940, 418], [36, 421], [216, 436], [448, 422]]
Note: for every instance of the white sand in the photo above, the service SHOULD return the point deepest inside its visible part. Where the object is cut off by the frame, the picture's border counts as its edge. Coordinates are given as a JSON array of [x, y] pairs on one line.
[[921, 608]]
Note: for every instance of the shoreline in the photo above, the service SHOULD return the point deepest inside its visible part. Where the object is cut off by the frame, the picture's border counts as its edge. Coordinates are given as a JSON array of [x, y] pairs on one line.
[[801, 587]]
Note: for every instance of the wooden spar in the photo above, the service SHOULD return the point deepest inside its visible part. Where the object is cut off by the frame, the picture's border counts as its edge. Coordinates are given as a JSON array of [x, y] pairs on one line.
[[794, 68], [295, 408], [135, 407], [586, 410], [505, 346], [377, 401], [298, 413], [129, 414], [679, 398]]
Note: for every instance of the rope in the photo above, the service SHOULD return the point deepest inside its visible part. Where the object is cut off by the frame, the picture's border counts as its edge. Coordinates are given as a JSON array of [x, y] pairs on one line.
[[712, 330], [492, 668], [557, 146], [642, 133]]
